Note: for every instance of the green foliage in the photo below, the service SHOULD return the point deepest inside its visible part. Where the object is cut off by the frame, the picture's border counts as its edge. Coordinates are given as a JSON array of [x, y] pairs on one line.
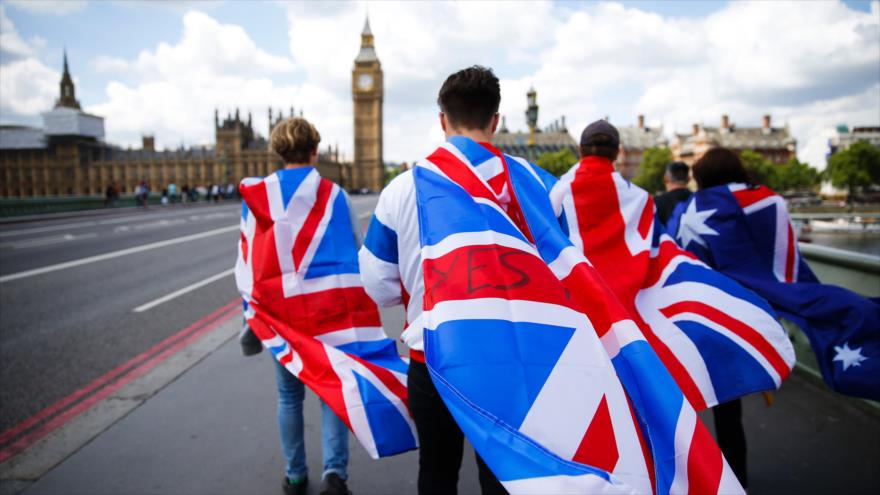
[[652, 169], [855, 167], [790, 176], [796, 175], [760, 169], [390, 173], [557, 162]]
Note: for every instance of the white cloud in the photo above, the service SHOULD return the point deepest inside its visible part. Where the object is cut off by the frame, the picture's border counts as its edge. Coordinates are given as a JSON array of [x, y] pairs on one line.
[[11, 44], [56, 7], [179, 85], [27, 86]]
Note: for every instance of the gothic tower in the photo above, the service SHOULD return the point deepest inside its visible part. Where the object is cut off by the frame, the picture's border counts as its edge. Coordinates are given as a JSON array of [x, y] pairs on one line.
[[367, 92], [67, 97]]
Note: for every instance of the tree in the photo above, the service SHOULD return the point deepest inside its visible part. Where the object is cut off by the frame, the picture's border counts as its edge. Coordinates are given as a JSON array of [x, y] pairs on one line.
[[794, 175], [761, 170], [652, 169], [855, 167], [556, 162]]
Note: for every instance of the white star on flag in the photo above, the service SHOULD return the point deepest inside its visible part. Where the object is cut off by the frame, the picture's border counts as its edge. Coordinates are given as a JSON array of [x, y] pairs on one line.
[[849, 357], [693, 225]]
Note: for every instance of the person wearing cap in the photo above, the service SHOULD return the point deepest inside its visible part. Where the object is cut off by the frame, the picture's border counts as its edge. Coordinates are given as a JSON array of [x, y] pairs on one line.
[[676, 182]]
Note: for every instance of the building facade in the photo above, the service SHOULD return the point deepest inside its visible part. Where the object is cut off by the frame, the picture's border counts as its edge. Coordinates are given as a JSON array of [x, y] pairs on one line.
[[773, 143], [367, 90], [535, 141], [634, 140], [844, 137], [68, 155]]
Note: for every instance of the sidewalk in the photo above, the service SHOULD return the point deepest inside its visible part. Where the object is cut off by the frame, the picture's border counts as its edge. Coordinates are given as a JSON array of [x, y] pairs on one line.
[[213, 431]]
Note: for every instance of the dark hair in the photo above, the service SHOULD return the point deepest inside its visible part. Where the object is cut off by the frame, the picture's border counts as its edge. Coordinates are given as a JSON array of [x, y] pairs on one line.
[[470, 97], [600, 145], [678, 172], [719, 166]]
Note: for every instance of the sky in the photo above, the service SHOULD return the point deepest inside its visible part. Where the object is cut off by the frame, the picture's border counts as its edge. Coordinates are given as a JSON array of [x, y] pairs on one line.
[[162, 67]]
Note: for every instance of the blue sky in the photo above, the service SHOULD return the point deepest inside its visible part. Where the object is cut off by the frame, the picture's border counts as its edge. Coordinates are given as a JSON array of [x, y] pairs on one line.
[[152, 67]]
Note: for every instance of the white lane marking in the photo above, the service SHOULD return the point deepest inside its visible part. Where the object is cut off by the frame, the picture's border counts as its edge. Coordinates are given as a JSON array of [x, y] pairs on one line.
[[116, 254], [46, 241], [180, 292], [127, 218]]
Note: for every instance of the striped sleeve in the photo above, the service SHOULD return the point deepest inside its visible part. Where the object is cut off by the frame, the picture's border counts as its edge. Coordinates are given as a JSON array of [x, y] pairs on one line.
[[379, 257], [549, 181]]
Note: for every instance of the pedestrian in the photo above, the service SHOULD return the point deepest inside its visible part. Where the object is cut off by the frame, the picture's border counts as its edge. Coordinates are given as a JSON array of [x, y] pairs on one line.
[[164, 200], [296, 141], [215, 192], [184, 193], [675, 180], [108, 195], [392, 273]]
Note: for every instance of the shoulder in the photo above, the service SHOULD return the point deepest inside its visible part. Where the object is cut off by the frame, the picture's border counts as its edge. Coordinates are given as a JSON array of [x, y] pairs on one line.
[[397, 198]]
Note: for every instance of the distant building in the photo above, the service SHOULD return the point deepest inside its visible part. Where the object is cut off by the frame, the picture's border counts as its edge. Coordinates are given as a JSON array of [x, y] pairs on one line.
[[774, 143], [634, 140], [68, 155], [844, 137], [534, 142]]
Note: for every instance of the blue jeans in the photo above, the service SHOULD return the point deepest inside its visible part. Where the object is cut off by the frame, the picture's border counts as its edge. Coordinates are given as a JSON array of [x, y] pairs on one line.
[[334, 433]]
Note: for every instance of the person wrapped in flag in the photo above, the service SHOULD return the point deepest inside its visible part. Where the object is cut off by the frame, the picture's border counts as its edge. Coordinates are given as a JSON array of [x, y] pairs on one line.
[[526, 351], [719, 340], [297, 273], [744, 231]]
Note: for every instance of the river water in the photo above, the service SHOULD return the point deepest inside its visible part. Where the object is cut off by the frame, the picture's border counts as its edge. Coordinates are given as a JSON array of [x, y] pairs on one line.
[[862, 242]]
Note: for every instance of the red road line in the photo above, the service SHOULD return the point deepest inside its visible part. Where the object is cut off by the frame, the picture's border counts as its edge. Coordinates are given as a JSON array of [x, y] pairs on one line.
[[196, 328]]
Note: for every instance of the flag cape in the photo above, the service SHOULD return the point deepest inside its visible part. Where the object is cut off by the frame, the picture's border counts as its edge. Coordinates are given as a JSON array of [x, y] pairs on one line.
[[297, 273], [745, 232], [719, 340], [552, 384]]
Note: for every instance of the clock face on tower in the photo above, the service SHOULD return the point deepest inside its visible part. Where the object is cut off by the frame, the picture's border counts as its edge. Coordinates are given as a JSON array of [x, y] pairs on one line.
[[365, 82]]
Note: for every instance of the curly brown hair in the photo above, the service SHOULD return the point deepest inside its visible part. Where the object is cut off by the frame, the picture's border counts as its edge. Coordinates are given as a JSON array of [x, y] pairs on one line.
[[294, 140]]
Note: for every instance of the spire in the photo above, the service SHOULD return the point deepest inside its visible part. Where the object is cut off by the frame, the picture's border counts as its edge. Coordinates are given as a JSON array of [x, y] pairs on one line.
[[67, 93], [367, 53], [366, 31]]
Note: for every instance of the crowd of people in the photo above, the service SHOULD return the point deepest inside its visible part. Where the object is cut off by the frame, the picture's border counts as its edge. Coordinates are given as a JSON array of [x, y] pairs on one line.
[[170, 194], [392, 271]]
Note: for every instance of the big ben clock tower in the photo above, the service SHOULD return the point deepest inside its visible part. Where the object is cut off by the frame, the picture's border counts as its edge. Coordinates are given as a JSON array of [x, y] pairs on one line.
[[367, 92]]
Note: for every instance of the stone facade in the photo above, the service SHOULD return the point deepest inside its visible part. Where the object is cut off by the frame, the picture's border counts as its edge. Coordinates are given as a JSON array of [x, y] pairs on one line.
[[367, 89], [774, 143], [634, 140]]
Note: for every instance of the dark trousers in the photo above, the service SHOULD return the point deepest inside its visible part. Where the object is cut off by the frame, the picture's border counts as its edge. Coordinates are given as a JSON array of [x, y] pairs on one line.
[[441, 441], [732, 437]]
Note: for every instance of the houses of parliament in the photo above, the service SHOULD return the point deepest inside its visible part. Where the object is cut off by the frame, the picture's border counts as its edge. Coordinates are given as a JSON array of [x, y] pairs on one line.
[[68, 155]]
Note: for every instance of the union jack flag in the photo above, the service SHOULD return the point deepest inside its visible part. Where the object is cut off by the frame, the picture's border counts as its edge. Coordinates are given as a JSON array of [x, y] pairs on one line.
[[745, 232], [539, 364], [719, 340], [297, 272]]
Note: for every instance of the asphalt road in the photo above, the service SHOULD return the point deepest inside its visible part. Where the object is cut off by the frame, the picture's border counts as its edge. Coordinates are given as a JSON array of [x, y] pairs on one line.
[[62, 328]]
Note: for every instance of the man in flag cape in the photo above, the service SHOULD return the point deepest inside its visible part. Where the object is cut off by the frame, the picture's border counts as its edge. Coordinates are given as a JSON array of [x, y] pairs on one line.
[[297, 273], [531, 354], [745, 232]]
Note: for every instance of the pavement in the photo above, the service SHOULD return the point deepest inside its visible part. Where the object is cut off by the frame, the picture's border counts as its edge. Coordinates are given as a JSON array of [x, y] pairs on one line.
[[186, 413]]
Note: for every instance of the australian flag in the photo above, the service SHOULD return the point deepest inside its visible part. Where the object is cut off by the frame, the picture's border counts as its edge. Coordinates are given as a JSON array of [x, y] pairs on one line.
[[745, 232], [297, 273]]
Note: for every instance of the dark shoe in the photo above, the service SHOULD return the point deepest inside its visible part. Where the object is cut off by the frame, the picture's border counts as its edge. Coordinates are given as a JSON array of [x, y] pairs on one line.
[[250, 344], [334, 485], [297, 487]]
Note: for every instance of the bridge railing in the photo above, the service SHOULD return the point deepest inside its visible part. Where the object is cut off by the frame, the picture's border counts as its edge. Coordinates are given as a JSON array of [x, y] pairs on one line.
[[857, 272]]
